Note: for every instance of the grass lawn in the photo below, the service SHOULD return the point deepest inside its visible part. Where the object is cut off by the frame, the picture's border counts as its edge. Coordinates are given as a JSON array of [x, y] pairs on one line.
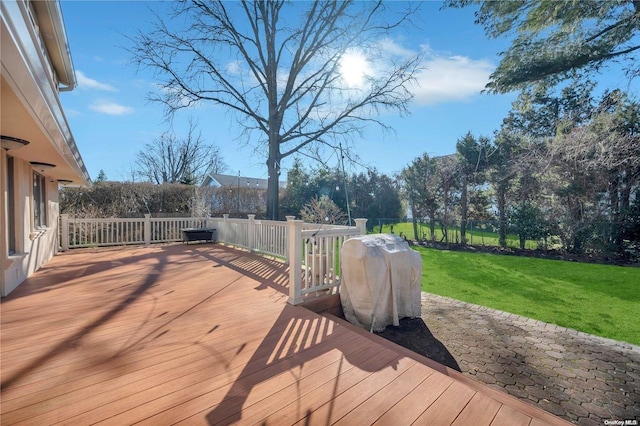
[[598, 299], [475, 235]]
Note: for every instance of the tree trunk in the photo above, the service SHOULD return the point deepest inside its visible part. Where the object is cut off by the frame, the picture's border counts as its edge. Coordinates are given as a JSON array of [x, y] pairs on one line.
[[273, 168], [273, 184], [432, 228], [464, 210], [273, 203], [575, 211], [623, 218], [445, 233], [415, 221], [502, 229], [615, 236], [432, 224]]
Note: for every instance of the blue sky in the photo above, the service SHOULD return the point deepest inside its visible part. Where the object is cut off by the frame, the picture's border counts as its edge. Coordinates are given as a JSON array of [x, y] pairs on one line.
[[112, 121]]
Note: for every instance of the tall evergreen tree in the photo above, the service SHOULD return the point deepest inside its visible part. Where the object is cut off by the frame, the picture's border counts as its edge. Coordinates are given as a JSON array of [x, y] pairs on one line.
[[555, 40], [421, 189], [473, 157]]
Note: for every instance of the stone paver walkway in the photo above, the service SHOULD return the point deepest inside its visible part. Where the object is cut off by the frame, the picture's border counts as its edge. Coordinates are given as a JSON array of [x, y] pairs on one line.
[[582, 378]]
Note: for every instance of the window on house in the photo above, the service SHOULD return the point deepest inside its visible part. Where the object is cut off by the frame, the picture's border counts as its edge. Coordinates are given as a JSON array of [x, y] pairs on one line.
[[11, 206], [39, 201]]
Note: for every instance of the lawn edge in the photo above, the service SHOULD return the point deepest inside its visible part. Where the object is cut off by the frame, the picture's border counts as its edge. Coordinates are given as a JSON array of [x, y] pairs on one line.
[[605, 340]]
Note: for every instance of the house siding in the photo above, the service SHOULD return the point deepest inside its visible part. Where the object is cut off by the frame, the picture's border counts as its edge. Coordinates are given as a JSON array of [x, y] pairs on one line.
[[32, 112], [33, 247]]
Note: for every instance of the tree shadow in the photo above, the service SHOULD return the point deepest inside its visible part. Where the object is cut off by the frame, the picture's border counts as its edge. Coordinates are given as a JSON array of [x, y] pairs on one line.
[[71, 268], [413, 334], [269, 273], [301, 350], [41, 282], [298, 336], [293, 349]]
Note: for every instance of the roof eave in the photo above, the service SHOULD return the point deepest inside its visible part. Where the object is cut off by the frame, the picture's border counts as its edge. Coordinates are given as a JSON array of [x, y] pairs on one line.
[[51, 23]]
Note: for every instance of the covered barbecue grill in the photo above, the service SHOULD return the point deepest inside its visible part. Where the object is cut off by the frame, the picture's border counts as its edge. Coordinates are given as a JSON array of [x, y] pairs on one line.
[[380, 281]]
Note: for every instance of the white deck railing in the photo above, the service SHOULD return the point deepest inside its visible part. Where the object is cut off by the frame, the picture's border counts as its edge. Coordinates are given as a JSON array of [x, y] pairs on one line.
[[319, 246], [314, 269], [76, 233]]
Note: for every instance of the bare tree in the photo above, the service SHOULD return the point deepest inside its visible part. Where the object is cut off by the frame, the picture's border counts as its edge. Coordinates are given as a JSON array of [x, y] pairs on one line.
[[295, 72], [323, 210], [169, 159]]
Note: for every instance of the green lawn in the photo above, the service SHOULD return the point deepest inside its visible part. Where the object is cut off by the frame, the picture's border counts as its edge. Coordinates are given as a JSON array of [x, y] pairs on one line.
[[475, 235], [599, 299]]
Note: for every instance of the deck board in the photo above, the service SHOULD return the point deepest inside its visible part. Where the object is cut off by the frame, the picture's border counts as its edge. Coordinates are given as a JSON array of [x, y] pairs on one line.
[[448, 406], [481, 410], [507, 416], [261, 410], [307, 409], [335, 409], [202, 334], [377, 405], [408, 409]]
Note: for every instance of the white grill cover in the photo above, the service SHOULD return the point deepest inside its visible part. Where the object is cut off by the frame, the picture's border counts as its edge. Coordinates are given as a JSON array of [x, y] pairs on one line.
[[380, 280]]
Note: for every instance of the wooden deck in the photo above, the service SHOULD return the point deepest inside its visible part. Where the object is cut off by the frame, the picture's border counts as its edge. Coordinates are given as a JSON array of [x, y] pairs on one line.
[[202, 334]]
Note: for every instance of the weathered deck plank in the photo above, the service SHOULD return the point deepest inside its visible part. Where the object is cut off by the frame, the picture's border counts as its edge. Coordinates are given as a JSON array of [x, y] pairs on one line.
[[203, 335]]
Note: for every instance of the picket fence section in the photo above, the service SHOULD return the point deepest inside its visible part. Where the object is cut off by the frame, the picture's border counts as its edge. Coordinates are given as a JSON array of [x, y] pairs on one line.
[[314, 268]]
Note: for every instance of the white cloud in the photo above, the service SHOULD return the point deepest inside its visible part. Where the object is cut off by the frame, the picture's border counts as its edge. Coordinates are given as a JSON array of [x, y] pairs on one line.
[[445, 77], [393, 48], [110, 108], [85, 82], [450, 78]]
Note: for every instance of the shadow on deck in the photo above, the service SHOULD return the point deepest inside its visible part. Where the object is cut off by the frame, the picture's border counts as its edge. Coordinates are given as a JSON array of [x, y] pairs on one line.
[[203, 334]]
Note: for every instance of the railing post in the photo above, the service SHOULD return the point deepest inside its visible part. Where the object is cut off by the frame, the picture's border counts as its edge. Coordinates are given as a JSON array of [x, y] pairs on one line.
[[225, 227], [294, 242], [361, 224], [147, 229], [64, 231], [251, 232], [286, 239]]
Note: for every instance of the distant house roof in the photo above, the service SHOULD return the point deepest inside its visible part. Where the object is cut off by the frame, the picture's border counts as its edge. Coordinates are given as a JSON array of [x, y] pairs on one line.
[[218, 180]]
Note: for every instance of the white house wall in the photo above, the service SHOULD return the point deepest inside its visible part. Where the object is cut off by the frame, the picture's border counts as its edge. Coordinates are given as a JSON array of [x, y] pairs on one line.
[[33, 247], [32, 64]]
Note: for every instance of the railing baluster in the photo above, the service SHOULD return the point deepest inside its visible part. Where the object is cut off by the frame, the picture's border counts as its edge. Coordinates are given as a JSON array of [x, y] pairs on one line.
[[314, 267]]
